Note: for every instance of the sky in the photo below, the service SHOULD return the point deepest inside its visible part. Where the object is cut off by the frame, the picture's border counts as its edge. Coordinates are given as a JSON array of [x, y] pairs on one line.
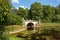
[[27, 3]]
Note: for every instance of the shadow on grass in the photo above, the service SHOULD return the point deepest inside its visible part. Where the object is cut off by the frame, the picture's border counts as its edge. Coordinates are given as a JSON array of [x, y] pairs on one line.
[[2, 36]]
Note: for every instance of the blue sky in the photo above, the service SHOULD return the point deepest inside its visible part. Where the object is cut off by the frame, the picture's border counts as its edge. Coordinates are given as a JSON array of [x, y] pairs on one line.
[[27, 3]]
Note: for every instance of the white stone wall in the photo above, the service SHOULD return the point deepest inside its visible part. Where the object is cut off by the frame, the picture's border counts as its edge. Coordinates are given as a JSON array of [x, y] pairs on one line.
[[27, 21]]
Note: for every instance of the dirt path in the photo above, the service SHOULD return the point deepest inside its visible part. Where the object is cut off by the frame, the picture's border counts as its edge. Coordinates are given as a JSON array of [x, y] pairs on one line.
[[12, 32]]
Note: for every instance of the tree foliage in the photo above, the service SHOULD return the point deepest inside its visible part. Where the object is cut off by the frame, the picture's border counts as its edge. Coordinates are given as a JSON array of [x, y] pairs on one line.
[[36, 11], [48, 13], [45, 13], [7, 17], [5, 7]]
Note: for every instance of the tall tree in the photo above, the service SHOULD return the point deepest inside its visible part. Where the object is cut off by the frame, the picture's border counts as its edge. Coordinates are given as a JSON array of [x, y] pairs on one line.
[[14, 18], [5, 7], [26, 13], [57, 14], [21, 12], [36, 11], [48, 13]]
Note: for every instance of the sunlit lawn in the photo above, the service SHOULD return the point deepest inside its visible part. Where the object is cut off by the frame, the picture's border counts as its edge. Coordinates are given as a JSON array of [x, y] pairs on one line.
[[50, 24], [13, 28], [18, 27], [26, 33], [15, 38]]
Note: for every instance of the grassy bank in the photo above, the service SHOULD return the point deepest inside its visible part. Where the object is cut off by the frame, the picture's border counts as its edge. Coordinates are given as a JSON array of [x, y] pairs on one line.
[[15, 38], [47, 28], [50, 24], [13, 27]]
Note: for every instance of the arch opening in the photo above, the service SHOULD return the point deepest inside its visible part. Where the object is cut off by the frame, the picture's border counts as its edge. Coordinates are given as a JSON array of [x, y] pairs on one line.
[[30, 26]]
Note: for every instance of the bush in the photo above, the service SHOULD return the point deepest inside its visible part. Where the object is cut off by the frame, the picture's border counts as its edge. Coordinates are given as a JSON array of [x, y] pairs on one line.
[[13, 19]]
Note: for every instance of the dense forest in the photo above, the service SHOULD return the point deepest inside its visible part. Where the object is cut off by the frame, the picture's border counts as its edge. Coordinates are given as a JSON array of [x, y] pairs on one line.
[[12, 16]]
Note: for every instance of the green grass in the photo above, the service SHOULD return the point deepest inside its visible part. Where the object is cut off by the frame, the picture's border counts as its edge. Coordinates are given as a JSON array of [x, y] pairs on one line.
[[18, 27], [27, 33], [50, 24], [13, 28], [15, 38]]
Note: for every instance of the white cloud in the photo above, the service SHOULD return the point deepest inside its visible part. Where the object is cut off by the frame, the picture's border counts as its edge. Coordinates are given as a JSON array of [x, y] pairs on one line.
[[15, 1], [17, 7], [20, 6], [23, 7], [28, 8]]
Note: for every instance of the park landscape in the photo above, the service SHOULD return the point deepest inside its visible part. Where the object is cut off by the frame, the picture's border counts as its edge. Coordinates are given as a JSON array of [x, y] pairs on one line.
[[12, 24]]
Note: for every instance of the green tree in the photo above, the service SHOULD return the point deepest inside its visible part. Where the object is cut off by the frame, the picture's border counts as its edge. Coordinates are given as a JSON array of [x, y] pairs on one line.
[[48, 13], [21, 12], [56, 18], [5, 7], [58, 14], [14, 18], [15, 11], [36, 11], [26, 13]]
